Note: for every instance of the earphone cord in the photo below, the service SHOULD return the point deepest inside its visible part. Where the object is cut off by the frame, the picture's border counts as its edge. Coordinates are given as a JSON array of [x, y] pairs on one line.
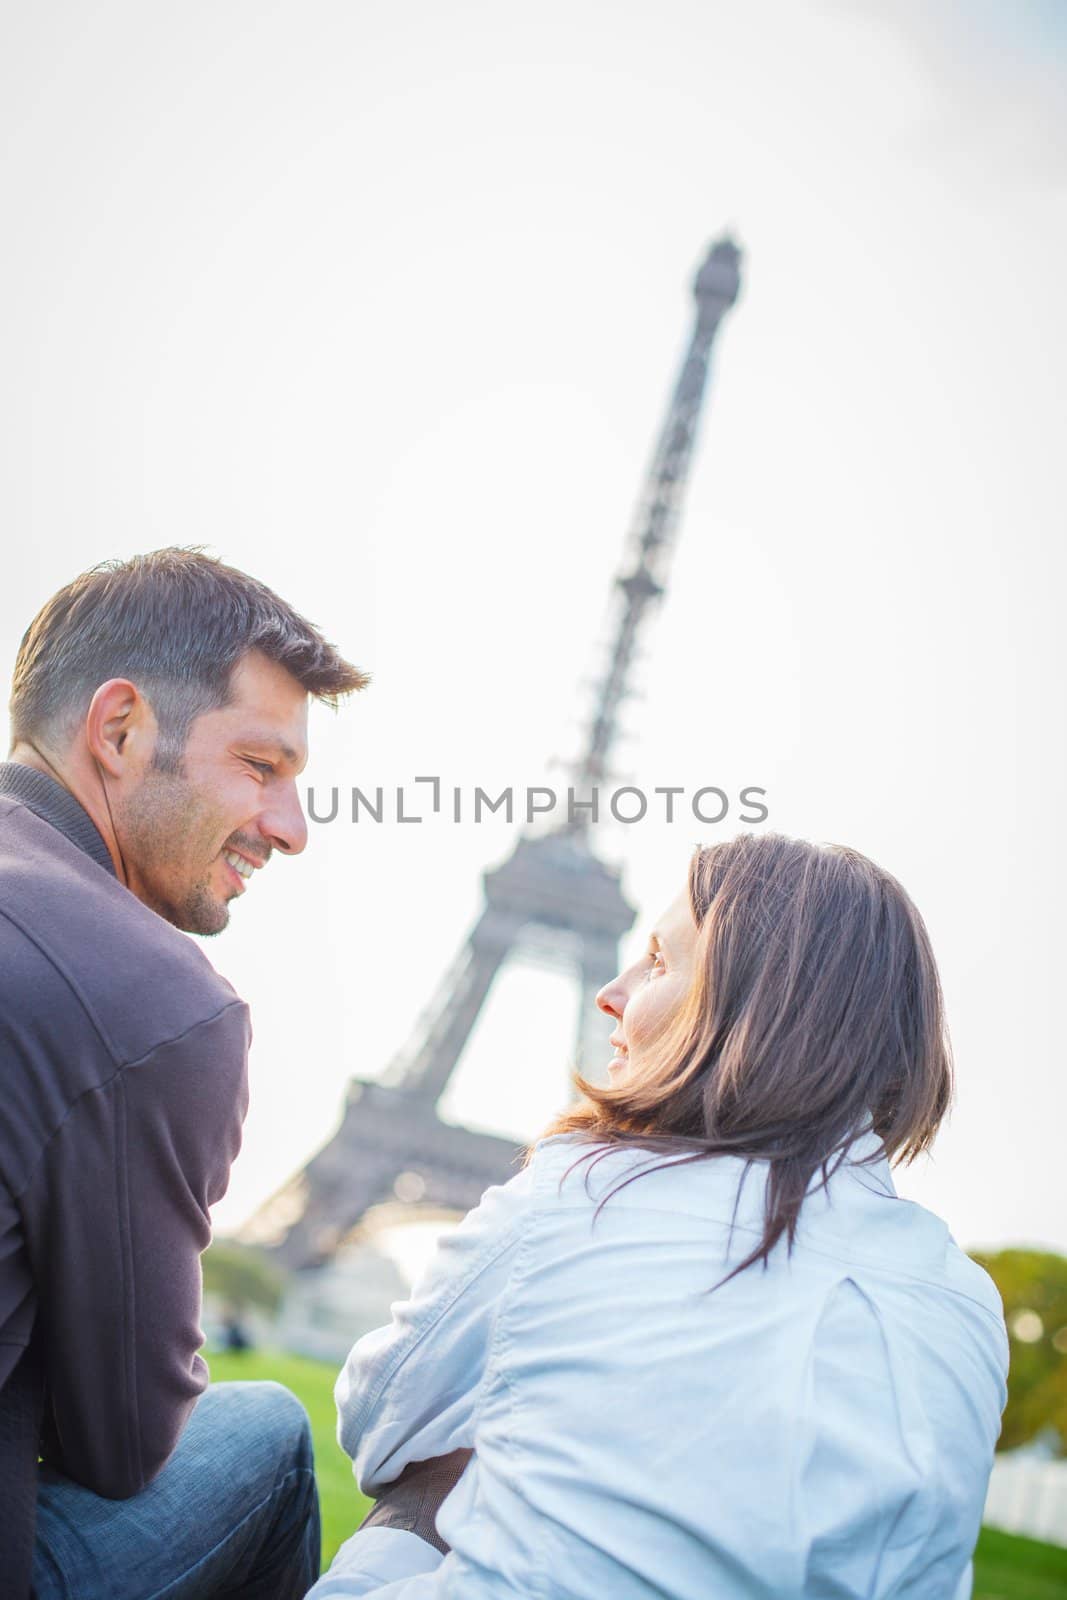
[[107, 802]]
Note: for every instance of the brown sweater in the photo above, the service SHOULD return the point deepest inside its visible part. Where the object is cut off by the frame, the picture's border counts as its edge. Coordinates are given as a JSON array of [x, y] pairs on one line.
[[122, 1091]]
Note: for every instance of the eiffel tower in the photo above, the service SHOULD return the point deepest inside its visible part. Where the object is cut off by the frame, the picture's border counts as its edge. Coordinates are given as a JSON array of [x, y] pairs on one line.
[[552, 897]]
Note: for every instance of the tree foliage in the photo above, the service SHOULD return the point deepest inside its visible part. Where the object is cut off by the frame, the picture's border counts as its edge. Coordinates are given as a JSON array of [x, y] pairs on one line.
[[1033, 1286], [242, 1275]]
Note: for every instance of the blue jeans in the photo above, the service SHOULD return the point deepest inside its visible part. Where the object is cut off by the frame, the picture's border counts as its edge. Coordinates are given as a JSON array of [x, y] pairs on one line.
[[234, 1513]]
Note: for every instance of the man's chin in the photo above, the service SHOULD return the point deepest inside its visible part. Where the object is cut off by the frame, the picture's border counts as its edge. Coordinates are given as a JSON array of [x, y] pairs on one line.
[[210, 920], [202, 913]]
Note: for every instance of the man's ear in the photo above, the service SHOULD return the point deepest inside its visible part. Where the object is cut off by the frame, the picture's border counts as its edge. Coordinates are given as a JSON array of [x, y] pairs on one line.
[[120, 728]]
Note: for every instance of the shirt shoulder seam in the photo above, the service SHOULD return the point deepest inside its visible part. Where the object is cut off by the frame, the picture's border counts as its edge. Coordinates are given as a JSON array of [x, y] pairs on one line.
[[120, 1069]]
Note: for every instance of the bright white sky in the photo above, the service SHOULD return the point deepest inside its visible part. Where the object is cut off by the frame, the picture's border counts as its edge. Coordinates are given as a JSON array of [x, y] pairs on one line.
[[383, 304]]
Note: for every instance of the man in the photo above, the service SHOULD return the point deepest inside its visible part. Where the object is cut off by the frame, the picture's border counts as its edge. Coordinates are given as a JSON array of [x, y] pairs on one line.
[[159, 723]]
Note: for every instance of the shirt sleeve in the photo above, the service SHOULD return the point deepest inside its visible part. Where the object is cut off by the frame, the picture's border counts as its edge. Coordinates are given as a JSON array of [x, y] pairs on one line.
[[380, 1564], [408, 1392], [867, 1521], [116, 1217]]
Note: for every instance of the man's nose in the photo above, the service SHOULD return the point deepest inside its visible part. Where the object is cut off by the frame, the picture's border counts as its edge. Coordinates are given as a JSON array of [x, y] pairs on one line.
[[283, 822]]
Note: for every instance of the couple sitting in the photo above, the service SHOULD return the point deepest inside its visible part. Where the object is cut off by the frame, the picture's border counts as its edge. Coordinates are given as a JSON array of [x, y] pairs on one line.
[[695, 1348]]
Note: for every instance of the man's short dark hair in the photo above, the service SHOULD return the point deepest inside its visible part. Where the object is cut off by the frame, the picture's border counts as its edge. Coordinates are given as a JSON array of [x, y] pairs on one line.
[[175, 622]]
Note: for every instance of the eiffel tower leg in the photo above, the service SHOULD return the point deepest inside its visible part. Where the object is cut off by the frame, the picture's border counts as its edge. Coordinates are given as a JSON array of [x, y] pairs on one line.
[[491, 940], [339, 1191], [351, 1173]]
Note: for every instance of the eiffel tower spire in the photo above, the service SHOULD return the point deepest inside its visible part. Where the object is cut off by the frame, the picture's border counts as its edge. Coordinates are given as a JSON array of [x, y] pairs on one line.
[[643, 577], [551, 893]]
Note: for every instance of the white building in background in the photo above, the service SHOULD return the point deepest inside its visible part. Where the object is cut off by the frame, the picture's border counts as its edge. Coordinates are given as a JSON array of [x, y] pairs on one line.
[[1028, 1495], [327, 1308]]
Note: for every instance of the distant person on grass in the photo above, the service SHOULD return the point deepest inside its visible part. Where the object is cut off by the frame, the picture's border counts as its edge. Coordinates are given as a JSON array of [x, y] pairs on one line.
[[698, 1349], [158, 725]]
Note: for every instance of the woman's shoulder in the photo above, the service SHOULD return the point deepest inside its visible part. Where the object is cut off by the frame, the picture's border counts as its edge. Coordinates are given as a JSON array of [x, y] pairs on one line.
[[965, 1276], [550, 1159], [562, 1165], [560, 1152], [857, 1217], [579, 1169]]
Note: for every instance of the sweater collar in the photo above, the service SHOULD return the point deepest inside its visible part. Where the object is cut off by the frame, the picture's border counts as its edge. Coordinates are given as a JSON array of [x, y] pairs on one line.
[[55, 805]]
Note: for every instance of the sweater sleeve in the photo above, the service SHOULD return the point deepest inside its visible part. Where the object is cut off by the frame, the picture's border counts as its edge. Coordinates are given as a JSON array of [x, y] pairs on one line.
[[116, 1217]]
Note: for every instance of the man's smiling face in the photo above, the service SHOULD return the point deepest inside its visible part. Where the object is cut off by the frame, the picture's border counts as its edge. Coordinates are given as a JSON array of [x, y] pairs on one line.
[[192, 839]]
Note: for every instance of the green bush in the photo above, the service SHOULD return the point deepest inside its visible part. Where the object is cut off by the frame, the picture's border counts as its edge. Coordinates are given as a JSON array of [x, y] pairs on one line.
[[1033, 1286], [242, 1276]]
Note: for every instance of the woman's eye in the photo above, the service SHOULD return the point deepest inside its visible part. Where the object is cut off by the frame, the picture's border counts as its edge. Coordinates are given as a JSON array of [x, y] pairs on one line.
[[656, 964]]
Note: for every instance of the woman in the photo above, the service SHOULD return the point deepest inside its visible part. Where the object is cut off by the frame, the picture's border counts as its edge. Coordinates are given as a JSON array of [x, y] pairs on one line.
[[698, 1347]]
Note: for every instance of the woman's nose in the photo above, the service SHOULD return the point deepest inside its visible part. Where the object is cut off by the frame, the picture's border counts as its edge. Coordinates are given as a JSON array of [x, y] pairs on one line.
[[612, 999]]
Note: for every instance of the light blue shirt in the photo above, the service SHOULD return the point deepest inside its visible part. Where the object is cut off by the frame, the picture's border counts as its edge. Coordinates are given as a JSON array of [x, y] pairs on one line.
[[822, 1428]]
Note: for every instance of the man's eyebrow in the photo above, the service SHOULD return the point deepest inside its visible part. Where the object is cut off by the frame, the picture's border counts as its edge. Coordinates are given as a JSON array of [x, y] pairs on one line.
[[270, 741]]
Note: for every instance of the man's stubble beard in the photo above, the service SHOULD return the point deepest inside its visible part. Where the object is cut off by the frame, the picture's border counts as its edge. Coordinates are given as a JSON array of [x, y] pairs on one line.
[[167, 810]]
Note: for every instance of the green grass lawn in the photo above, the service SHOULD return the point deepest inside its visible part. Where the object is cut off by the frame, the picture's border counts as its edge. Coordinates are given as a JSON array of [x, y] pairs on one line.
[[1006, 1568], [1009, 1568]]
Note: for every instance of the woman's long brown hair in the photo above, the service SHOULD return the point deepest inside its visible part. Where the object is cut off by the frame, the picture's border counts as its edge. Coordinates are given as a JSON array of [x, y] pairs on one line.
[[814, 1016]]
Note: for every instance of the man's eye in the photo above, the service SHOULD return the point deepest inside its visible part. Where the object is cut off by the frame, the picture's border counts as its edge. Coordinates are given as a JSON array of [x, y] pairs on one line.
[[260, 766]]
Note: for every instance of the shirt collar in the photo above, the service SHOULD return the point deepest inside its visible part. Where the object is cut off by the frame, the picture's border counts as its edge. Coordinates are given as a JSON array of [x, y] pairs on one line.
[[55, 805], [867, 1154]]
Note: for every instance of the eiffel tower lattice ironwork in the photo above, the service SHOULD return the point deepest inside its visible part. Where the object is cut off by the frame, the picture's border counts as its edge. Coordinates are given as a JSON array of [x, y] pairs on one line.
[[552, 892]]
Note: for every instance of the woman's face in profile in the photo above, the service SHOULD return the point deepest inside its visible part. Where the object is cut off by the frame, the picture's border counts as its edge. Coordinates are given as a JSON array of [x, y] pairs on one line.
[[644, 997]]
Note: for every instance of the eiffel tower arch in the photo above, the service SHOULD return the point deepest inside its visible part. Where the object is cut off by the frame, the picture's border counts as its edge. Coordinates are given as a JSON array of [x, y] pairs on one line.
[[553, 894]]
